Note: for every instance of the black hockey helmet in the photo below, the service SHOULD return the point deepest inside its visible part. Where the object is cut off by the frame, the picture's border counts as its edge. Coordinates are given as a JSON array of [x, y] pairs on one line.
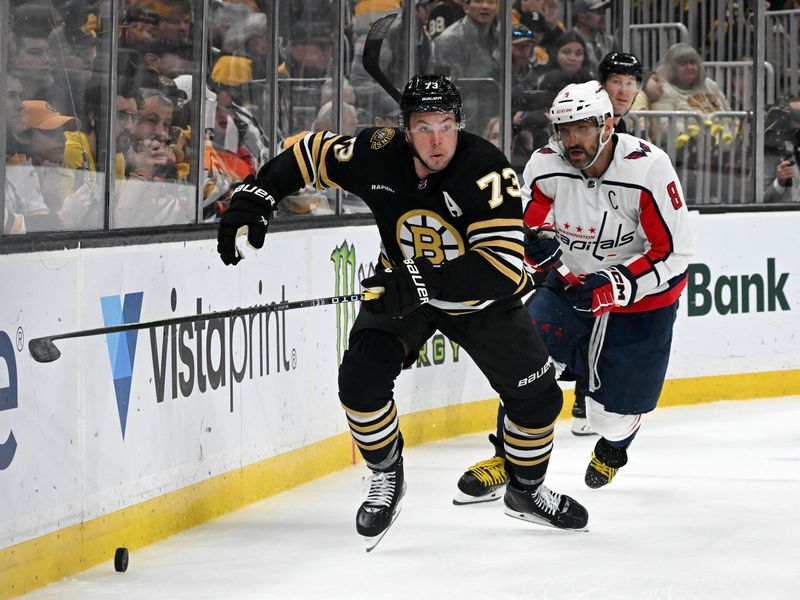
[[430, 93], [620, 63]]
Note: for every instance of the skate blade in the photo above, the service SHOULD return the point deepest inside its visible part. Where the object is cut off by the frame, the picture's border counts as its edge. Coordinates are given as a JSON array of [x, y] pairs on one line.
[[461, 498], [515, 514], [371, 542], [581, 428]]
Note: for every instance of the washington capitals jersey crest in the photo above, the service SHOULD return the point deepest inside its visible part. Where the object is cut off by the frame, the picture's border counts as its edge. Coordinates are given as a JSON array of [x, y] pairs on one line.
[[467, 218]]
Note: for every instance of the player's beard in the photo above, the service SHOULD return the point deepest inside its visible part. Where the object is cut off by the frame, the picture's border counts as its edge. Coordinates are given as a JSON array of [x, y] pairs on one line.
[[582, 164]]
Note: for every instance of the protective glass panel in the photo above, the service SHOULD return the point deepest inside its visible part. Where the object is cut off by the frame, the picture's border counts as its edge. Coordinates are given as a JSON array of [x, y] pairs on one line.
[[58, 54]]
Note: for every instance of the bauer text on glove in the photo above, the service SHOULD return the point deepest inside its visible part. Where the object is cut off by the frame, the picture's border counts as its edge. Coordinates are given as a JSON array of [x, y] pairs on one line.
[[412, 283], [252, 203]]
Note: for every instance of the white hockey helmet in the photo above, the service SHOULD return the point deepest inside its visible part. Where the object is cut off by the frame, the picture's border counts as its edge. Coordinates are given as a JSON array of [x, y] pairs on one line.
[[580, 101]]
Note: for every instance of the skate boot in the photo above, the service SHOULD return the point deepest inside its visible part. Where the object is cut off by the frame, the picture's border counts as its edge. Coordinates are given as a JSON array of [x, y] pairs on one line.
[[483, 481], [545, 507], [606, 461], [384, 501], [580, 424]]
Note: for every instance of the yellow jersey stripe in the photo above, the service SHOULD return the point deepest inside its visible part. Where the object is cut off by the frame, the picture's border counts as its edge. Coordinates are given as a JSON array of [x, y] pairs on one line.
[[510, 273], [500, 223]]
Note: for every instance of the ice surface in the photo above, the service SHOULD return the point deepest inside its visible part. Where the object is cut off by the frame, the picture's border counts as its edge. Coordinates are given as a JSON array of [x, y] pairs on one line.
[[707, 508]]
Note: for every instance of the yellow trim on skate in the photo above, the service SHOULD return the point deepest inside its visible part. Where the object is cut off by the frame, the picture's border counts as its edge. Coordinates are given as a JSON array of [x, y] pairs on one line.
[[42, 560]]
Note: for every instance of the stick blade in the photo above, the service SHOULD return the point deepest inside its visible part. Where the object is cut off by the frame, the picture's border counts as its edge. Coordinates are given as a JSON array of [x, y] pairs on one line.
[[370, 58], [380, 27], [43, 350]]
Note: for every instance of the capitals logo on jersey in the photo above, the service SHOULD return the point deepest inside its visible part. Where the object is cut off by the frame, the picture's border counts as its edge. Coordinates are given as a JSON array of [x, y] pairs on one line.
[[641, 152]]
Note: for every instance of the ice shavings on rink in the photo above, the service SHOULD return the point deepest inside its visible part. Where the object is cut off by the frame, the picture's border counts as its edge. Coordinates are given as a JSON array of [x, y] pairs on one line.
[[706, 509]]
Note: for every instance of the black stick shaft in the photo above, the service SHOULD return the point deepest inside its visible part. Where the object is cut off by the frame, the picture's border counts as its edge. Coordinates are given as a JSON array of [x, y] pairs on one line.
[[223, 314]]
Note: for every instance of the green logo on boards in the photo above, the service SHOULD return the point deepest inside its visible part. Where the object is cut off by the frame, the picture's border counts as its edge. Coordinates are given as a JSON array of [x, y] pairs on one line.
[[732, 294], [348, 274]]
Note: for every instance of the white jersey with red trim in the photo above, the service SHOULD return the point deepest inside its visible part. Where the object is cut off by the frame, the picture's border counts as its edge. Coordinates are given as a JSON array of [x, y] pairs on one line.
[[634, 214]]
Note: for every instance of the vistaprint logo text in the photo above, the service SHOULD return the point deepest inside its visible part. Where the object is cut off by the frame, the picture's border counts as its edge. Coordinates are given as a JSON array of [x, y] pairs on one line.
[[763, 291], [196, 356]]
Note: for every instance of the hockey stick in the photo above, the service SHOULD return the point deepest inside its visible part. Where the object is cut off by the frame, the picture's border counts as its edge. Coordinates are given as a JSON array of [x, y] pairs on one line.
[[371, 56], [43, 349]]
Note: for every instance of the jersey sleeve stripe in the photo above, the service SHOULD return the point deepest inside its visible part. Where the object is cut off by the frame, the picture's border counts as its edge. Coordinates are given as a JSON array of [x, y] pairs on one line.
[[655, 229], [538, 208], [499, 223], [324, 181], [512, 274], [514, 247], [301, 163]]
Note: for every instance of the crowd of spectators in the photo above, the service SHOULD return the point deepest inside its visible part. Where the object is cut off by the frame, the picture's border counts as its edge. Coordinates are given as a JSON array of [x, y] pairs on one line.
[[57, 125]]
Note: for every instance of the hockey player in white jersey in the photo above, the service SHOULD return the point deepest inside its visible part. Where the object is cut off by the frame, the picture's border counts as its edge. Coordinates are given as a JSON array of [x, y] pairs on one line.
[[611, 208]]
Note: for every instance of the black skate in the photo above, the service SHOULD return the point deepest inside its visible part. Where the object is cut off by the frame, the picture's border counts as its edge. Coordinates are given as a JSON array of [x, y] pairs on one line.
[[384, 501], [484, 481], [545, 507], [606, 461], [580, 424]]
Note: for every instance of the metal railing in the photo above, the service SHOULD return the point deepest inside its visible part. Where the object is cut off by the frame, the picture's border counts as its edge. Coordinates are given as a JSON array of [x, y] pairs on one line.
[[651, 41], [712, 153], [782, 34], [735, 79]]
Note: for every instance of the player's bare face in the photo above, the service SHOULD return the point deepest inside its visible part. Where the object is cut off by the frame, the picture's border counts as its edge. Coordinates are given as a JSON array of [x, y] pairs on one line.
[[622, 90], [580, 140], [434, 137]]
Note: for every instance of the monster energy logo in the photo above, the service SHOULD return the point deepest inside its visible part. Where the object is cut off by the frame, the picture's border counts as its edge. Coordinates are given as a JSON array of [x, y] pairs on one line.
[[346, 275]]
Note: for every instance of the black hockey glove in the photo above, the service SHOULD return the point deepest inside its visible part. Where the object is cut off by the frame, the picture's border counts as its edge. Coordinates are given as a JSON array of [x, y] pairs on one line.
[[542, 248], [601, 291], [252, 203], [404, 289]]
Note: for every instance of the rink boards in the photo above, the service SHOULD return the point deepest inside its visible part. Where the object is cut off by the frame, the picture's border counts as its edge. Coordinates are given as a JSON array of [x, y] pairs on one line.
[[128, 438]]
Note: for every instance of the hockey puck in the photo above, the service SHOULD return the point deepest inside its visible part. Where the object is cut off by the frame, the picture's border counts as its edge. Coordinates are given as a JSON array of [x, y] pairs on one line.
[[121, 560]]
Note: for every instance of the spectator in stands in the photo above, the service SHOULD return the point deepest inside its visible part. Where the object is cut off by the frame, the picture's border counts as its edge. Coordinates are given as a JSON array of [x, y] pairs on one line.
[[469, 47], [174, 19], [151, 195], [491, 132], [44, 132], [151, 158], [308, 53], [783, 154], [651, 92], [25, 208], [551, 11], [128, 101], [568, 63], [248, 38], [442, 14], [31, 58], [686, 88], [534, 22], [589, 20], [138, 25]]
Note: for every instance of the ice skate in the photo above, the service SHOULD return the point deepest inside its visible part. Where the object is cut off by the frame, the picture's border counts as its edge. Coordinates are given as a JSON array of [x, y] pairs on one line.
[[384, 501], [580, 424], [545, 507], [482, 482], [606, 461]]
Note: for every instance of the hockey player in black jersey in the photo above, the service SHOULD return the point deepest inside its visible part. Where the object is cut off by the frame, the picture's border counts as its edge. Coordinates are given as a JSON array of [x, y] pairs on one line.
[[447, 206]]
